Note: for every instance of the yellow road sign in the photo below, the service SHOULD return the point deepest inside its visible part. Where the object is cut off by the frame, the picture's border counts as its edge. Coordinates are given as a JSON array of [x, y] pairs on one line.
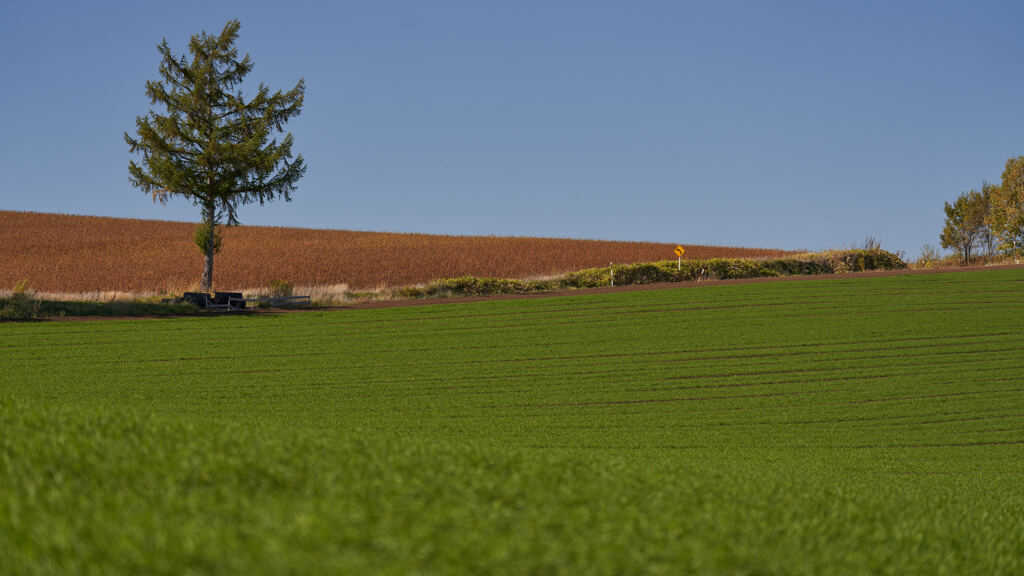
[[679, 251]]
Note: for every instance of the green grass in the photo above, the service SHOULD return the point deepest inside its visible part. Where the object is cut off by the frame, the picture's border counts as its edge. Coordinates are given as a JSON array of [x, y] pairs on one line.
[[22, 307], [870, 425]]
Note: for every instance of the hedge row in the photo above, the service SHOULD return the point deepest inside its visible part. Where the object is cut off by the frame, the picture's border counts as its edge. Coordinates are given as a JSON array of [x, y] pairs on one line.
[[832, 262]]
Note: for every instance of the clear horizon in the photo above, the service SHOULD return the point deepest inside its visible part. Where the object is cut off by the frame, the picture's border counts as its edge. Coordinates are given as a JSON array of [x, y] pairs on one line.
[[790, 126]]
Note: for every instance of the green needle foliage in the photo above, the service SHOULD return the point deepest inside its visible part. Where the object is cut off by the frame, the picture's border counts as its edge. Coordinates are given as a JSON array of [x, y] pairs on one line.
[[211, 145], [202, 236]]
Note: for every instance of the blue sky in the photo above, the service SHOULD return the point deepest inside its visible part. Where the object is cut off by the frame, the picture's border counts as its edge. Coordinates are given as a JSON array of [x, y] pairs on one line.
[[775, 124]]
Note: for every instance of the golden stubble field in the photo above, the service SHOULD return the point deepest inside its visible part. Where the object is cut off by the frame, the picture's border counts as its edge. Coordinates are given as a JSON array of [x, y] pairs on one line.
[[63, 253]]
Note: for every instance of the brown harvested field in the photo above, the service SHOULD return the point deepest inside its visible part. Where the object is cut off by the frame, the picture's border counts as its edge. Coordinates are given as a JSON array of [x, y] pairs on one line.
[[61, 253]]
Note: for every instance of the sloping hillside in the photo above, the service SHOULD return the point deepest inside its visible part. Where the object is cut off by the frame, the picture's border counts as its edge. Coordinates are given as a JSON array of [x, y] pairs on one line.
[[55, 252]]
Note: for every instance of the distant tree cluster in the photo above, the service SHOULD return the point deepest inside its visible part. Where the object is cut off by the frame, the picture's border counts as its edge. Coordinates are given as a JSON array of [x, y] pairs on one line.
[[989, 220]]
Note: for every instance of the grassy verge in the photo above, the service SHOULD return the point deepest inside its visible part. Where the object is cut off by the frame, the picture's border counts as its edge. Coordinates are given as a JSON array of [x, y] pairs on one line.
[[22, 304], [27, 307], [832, 262]]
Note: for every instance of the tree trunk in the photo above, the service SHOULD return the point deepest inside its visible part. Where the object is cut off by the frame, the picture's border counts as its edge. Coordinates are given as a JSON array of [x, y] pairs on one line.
[[206, 284]]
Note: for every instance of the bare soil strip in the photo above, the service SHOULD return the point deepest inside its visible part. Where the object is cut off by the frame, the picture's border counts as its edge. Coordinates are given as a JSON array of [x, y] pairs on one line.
[[65, 253]]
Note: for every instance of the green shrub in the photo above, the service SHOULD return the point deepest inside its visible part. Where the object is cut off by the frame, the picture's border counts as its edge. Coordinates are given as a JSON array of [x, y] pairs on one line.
[[22, 304], [409, 292], [473, 286], [281, 289], [201, 238], [21, 289], [837, 261], [19, 308]]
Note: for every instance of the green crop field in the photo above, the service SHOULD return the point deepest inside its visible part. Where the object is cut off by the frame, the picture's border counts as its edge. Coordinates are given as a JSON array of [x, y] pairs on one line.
[[861, 426]]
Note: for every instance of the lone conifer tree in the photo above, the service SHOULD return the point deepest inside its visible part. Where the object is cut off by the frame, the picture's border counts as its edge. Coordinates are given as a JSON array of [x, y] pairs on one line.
[[211, 146]]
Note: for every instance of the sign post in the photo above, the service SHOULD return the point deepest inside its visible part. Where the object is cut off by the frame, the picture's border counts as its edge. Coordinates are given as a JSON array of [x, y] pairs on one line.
[[679, 252]]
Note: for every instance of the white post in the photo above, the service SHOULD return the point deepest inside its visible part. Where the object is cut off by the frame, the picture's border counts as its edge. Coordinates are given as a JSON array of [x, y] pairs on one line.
[[680, 267], [612, 272]]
